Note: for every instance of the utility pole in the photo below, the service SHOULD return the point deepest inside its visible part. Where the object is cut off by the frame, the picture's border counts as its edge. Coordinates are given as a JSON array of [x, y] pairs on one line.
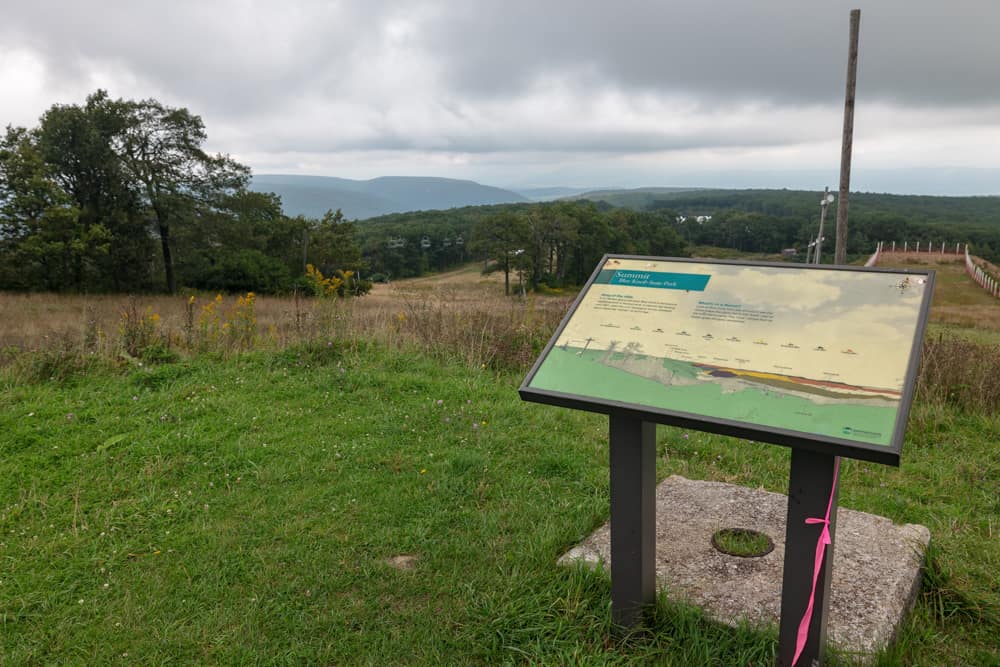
[[840, 253]]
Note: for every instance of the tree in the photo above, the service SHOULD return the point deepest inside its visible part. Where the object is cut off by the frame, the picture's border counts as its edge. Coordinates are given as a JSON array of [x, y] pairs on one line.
[[554, 231], [162, 159], [593, 239], [43, 241], [504, 237], [247, 244], [85, 196], [333, 244], [76, 144]]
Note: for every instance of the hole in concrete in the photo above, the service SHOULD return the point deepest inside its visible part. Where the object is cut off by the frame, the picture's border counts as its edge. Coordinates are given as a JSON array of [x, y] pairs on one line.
[[742, 542]]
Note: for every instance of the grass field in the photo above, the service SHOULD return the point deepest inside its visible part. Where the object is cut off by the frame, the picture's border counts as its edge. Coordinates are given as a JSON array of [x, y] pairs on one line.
[[958, 302], [374, 492]]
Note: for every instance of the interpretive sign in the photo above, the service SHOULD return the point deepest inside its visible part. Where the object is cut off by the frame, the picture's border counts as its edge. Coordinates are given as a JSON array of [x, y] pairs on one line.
[[820, 357]]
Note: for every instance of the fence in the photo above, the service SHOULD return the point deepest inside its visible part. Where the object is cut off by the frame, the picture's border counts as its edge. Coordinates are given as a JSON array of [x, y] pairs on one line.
[[980, 276], [874, 258], [917, 247], [923, 247]]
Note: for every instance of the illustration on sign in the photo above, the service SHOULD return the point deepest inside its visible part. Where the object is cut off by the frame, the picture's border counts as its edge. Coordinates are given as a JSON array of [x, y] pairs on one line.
[[822, 352]]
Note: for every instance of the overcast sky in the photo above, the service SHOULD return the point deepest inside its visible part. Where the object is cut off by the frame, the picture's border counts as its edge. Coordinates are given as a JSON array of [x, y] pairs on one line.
[[539, 93]]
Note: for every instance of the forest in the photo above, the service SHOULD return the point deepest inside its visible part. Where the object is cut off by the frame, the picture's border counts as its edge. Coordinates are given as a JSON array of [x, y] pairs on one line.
[[558, 243], [771, 220], [552, 244]]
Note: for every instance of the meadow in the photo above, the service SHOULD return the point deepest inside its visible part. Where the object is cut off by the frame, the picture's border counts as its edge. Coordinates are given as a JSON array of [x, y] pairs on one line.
[[292, 481]]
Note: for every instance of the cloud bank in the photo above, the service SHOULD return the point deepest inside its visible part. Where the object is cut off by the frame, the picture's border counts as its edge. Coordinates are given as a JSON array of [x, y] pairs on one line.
[[560, 92]]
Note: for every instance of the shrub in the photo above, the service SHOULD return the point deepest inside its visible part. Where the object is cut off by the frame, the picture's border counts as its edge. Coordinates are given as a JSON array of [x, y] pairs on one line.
[[240, 271], [139, 329]]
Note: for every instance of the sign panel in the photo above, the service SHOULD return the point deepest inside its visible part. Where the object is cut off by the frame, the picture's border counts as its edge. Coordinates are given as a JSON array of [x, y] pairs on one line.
[[822, 357]]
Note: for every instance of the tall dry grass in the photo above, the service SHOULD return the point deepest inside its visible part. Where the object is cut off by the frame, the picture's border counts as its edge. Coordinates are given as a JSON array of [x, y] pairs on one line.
[[960, 372], [495, 332], [34, 322], [55, 335]]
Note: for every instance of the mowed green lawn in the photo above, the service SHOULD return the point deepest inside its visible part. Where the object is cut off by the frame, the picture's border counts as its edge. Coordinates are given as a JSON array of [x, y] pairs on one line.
[[341, 504]]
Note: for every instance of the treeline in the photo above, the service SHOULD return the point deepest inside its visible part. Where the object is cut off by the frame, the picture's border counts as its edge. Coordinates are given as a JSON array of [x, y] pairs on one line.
[[551, 244], [119, 196], [559, 243], [405, 245], [771, 220]]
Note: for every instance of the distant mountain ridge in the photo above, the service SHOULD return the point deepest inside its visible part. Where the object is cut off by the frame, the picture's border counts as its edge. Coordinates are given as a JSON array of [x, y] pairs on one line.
[[594, 193], [312, 196], [553, 192]]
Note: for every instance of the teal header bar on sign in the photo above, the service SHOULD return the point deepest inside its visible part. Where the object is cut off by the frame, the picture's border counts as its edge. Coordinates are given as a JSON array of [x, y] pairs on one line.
[[692, 282]]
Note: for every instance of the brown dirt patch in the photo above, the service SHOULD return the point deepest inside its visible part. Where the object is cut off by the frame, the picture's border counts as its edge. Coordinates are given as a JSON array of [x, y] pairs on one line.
[[404, 562]]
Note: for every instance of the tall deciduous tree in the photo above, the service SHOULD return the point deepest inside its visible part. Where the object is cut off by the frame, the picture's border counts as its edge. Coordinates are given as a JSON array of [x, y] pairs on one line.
[[504, 237], [76, 144], [43, 240], [161, 153], [333, 244], [248, 245]]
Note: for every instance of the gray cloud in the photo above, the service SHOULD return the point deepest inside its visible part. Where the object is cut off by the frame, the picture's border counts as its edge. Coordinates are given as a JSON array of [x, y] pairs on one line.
[[781, 50], [234, 57], [462, 85]]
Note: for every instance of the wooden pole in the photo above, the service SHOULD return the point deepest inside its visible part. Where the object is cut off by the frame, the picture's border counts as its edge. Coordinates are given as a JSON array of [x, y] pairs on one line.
[[840, 252]]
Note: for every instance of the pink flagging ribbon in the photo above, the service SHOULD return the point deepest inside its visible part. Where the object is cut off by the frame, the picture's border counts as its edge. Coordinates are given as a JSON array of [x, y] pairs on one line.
[[824, 540]]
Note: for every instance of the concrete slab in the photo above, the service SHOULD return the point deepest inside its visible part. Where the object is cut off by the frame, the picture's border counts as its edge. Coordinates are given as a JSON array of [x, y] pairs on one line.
[[876, 563]]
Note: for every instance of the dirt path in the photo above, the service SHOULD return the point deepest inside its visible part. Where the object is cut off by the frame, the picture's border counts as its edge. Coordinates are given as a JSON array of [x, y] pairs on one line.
[[465, 283]]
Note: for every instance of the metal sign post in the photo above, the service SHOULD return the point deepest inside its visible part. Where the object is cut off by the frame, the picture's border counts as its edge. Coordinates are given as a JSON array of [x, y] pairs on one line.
[[805, 584], [633, 518]]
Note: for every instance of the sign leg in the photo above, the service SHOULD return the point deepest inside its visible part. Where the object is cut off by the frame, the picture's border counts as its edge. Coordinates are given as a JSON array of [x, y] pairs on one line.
[[812, 494], [633, 518]]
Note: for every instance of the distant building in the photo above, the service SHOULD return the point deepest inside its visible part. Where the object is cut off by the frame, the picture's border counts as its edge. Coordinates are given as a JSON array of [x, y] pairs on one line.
[[789, 252], [698, 218]]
